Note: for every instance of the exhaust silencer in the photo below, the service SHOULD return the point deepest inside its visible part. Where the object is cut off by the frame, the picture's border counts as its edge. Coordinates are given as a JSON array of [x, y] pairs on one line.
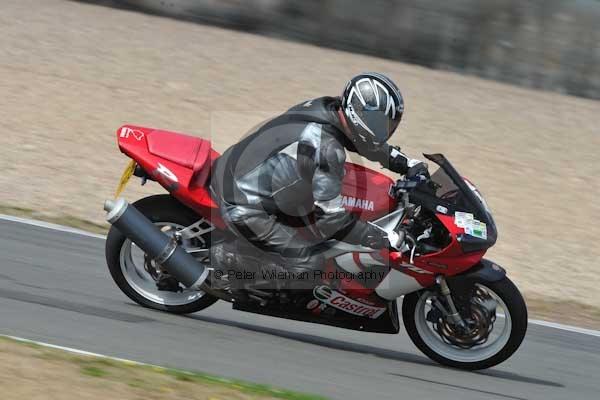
[[160, 247]]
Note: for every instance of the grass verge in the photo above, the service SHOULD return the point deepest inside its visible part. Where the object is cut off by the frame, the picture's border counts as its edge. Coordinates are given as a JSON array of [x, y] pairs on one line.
[[29, 370], [66, 220]]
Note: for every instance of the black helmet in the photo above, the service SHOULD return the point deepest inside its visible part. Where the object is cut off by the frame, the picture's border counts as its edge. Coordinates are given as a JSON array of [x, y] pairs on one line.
[[373, 106]]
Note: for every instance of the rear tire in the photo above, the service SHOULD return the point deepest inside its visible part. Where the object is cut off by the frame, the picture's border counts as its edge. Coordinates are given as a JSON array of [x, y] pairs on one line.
[[158, 209], [507, 292]]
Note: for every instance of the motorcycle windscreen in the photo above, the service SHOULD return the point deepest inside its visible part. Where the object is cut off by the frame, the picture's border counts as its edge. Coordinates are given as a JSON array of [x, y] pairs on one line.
[[450, 194]]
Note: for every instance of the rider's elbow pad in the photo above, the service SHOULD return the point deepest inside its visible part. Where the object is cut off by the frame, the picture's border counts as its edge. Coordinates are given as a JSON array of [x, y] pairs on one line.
[[334, 222]]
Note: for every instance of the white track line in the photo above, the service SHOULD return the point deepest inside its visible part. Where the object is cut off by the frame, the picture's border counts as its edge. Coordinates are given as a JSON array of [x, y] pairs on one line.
[[90, 354], [49, 225], [72, 350], [569, 328], [62, 228], [97, 355]]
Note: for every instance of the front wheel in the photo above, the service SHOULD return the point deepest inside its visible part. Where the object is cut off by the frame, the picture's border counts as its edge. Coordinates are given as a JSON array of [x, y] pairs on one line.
[[496, 317]]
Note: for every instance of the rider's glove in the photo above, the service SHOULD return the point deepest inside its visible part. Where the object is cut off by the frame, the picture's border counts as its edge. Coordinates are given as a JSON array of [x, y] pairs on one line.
[[376, 238], [398, 162], [418, 172], [396, 239]]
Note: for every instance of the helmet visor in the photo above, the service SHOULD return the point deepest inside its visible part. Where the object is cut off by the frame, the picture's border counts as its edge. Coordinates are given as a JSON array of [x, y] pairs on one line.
[[379, 124]]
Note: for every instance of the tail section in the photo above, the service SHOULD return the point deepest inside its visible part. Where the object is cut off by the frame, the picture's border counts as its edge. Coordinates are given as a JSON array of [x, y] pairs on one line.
[[180, 163]]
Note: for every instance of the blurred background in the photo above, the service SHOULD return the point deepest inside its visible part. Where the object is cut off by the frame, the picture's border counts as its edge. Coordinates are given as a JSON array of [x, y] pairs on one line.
[[547, 44], [505, 88]]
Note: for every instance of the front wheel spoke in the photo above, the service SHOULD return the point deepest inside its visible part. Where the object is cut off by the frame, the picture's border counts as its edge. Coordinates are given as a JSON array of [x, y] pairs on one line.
[[482, 335]]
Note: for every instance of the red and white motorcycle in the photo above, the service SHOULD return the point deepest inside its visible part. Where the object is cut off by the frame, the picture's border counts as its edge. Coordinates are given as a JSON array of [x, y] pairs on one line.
[[458, 308]]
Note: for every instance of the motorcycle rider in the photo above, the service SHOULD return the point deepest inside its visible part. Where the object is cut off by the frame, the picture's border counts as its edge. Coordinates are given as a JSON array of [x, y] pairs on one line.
[[292, 168]]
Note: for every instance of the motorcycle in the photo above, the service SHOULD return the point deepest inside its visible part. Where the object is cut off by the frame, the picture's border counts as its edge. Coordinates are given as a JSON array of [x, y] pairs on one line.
[[175, 253]]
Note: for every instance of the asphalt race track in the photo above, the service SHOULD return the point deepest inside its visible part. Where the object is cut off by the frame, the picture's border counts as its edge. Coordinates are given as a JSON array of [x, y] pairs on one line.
[[55, 288]]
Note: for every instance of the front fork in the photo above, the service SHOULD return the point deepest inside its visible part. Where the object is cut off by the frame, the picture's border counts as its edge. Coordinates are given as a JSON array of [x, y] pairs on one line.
[[452, 313]]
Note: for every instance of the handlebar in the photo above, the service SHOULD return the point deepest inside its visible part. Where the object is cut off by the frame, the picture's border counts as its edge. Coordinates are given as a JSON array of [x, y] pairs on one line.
[[405, 186], [401, 187]]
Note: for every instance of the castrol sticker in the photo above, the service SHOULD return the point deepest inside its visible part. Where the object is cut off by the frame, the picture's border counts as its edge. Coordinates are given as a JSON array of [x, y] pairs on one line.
[[337, 300]]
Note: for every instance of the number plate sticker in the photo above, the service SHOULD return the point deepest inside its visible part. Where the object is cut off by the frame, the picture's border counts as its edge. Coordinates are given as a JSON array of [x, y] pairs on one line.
[[471, 226]]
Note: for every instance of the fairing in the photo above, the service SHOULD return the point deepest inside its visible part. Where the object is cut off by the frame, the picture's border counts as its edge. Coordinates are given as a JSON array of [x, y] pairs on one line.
[[458, 194], [452, 194], [366, 192]]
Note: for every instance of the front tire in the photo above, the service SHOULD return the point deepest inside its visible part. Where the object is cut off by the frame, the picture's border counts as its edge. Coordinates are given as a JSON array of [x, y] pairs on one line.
[[433, 345], [135, 280]]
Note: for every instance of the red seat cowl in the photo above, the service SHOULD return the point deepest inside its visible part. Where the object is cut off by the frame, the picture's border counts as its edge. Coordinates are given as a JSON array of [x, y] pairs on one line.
[[188, 151]]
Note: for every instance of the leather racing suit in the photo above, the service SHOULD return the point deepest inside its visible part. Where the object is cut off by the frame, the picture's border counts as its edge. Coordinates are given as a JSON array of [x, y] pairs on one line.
[[291, 169]]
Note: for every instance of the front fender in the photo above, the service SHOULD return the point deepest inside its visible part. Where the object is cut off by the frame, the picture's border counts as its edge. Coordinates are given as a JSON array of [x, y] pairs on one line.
[[485, 271]]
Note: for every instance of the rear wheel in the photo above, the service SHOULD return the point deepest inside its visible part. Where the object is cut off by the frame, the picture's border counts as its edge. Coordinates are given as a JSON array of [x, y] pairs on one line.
[[497, 323], [139, 277]]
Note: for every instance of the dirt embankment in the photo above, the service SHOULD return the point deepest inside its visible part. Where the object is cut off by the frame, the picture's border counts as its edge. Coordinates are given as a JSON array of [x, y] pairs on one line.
[[31, 371], [71, 73]]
